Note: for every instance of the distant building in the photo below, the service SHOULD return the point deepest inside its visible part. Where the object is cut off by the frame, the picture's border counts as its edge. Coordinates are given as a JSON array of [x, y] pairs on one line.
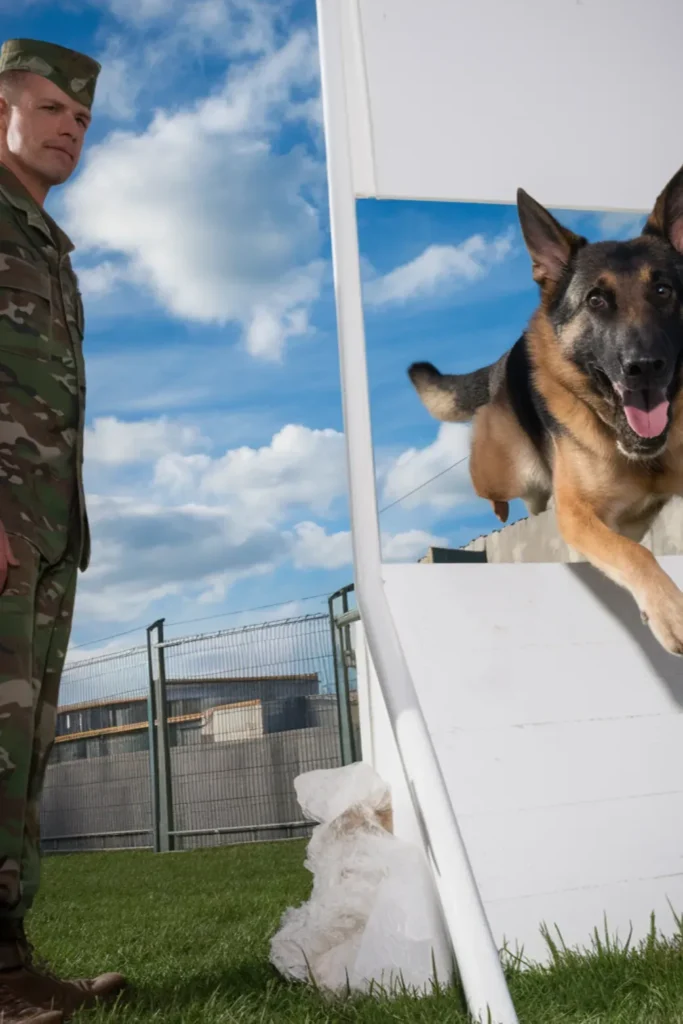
[[199, 711]]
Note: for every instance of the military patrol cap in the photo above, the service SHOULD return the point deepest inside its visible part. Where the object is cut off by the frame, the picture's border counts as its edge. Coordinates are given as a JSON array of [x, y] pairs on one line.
[[73, 72]]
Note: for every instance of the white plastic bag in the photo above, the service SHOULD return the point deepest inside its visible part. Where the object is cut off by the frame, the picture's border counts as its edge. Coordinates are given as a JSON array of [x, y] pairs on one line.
[[372, 918]]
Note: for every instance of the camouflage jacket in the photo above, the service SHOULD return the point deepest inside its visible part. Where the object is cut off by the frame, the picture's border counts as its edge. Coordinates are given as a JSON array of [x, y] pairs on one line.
[[42, 380]]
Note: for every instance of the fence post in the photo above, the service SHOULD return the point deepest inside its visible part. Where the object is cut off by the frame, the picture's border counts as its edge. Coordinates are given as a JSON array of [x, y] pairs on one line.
[[341, 679], [164, 838], [153, 757]]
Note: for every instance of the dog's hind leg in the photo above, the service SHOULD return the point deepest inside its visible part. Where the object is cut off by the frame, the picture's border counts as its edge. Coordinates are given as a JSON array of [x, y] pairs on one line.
[[503, 463]]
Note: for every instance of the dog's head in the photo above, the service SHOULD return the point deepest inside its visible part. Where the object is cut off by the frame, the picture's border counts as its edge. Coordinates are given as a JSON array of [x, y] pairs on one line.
[[616, 310]]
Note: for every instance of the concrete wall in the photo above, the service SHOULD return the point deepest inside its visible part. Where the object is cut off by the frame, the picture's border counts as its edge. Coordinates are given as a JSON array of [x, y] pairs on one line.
[[240, 783], [99, 794], [537, 538]]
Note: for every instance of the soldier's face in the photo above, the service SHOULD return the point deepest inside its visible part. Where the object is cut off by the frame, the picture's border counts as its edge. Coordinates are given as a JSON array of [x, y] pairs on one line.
[[44, 130]]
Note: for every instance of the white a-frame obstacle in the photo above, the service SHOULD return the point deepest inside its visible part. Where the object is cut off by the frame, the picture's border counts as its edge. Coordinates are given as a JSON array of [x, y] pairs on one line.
[[530, 726]]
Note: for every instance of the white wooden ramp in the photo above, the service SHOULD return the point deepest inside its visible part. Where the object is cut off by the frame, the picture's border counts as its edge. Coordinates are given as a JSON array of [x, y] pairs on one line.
[[527, 722], [557, 722]]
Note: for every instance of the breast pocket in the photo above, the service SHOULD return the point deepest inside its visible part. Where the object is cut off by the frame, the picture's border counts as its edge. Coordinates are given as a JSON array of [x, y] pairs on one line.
[[25, 307]]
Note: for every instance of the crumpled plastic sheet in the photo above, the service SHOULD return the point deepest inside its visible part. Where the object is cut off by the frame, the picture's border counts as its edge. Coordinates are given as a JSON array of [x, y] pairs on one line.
[[372, 920]]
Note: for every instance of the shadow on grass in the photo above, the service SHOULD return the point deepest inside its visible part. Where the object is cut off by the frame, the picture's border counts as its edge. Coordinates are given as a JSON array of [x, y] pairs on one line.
[[257, 992], [246, 985]]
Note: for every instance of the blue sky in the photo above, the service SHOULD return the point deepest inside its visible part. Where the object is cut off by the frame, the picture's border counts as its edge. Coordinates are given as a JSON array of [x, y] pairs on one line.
[[214, 456]]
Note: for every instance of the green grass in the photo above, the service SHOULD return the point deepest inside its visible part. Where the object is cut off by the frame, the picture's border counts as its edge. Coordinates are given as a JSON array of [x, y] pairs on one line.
[[191, 931]]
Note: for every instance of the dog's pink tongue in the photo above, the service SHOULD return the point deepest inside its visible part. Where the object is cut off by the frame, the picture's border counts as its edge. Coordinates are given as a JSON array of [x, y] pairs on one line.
[[647, 422]]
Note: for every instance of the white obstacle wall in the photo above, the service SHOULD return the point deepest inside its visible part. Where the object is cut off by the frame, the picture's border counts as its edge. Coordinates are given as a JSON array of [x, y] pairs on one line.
[[577, 101], [557, 722]]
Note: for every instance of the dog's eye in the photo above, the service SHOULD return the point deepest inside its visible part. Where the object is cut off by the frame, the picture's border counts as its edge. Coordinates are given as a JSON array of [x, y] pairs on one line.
[[663, 290], [596, 300]]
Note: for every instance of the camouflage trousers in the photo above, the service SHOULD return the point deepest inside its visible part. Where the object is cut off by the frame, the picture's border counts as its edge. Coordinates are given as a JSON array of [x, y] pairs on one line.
[[36, 609]]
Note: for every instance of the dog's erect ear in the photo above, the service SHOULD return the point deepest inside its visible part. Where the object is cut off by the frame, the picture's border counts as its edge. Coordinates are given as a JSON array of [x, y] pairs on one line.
[[550, 245], [666, 219]]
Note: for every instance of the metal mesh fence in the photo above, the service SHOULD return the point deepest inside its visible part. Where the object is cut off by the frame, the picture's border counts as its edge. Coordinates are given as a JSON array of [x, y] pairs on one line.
[[249, 709], [97, 786], [245, 710]]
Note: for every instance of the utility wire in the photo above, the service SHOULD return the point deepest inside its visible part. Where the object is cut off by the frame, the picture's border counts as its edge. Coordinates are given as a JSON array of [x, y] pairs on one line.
[[420, 486]]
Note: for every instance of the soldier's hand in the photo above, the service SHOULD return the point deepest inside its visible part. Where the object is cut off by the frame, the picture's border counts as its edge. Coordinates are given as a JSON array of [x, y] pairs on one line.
[[6, 557]]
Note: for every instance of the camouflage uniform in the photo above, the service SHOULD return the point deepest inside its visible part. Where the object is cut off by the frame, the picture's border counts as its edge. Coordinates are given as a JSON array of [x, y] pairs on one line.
[[42, 408]]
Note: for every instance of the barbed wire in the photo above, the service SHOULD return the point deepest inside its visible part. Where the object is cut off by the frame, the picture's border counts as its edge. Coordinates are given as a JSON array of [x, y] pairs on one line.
[[204, 618]]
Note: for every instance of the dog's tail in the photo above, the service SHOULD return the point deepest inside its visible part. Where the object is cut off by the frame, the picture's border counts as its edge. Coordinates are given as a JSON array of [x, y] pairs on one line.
[[454, 397]]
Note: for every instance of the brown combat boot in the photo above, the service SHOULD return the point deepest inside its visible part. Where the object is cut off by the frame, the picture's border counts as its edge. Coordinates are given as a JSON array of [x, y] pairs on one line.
[[41, 988], [36, 984], [17, 1011]]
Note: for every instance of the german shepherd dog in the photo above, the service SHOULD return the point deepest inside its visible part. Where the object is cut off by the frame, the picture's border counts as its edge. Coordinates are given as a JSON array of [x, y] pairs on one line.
[[586, 408]]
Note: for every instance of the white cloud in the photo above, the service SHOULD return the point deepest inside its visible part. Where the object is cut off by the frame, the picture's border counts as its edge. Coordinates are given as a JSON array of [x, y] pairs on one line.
[[116, 443], [210, 218], [285, 314], [158, 36], [101, 278], [617, 226], [238, 27], [438, 269], [144, 551], [122, 603], [119, 83], [409, 546], [137, 10], [190, 524], [607, 226], [300, 467], [106, 648], [416, 466], [184, 523], [204, 521], [314, 548]]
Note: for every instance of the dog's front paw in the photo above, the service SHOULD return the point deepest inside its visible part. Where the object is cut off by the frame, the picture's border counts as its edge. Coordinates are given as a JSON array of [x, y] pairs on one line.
[[663, 613]]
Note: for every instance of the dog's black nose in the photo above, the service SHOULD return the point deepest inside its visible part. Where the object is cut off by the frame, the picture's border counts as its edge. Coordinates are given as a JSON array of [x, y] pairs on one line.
[[643, 371]]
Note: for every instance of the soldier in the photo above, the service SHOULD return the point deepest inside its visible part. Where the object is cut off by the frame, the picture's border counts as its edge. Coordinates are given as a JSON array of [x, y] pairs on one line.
[[46, 95]]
